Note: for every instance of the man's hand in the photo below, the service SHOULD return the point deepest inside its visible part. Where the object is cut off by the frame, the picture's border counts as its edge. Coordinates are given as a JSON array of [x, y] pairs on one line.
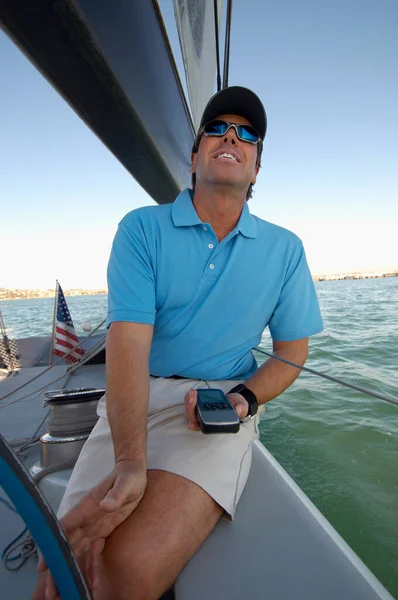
[[238, 402], [96, 516]]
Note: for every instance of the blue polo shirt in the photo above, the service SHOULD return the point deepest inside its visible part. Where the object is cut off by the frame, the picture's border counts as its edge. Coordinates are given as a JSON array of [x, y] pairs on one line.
[[209, 301]]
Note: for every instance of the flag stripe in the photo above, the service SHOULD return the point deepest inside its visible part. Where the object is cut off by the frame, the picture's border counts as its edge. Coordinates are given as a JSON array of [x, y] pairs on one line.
[[70, 358], [69, 346], [62, 342], [67, 333], [65, 338]]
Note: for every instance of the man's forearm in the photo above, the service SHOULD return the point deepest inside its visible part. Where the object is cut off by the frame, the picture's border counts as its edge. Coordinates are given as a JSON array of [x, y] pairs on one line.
[[274, 376], [127, 394]]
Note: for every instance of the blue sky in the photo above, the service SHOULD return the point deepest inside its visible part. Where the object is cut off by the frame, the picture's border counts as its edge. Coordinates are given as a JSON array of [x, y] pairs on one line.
[[327, 74]]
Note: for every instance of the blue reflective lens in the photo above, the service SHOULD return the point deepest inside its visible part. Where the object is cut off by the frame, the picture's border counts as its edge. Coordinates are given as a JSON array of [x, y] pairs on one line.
[[216, 127], [246, 133]]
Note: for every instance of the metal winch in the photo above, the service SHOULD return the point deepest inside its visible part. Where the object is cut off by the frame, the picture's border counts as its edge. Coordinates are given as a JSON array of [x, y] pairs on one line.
[[73, 415]]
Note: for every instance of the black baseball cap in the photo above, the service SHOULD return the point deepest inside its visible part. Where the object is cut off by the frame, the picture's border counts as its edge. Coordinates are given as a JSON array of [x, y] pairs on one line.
[[237, 100]]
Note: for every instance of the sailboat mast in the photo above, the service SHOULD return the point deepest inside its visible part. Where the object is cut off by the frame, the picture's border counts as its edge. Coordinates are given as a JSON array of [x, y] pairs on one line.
[[227, 44], [217, 45]]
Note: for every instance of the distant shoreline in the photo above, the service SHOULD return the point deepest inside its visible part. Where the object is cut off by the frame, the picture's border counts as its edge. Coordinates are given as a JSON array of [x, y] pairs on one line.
[[342, 276], [22, 294]]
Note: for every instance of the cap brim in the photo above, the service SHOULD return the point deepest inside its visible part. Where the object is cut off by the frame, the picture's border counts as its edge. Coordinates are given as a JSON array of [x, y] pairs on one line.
[[237, 100]]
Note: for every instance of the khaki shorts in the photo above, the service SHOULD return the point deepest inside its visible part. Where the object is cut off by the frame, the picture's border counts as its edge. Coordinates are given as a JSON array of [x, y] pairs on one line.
[[218, 463]]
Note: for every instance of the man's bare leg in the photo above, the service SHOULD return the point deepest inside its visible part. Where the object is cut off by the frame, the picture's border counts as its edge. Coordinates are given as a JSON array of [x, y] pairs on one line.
[[144, 555]]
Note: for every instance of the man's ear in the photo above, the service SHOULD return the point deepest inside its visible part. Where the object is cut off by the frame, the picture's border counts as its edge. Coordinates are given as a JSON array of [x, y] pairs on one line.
[[256, 170], [194, 157]]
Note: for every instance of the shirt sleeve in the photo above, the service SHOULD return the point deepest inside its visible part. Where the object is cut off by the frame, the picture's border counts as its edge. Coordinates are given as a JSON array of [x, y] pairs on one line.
[[297, 313], [131, 280]]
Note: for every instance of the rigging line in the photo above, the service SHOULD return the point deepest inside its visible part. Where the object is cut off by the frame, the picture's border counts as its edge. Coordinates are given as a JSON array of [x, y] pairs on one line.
[[330, 378], [227, 44], [217, 45], [53, 365], [34, 438], [35, 392], [8, 504], [67, 373], [93, 352], [79, 345]]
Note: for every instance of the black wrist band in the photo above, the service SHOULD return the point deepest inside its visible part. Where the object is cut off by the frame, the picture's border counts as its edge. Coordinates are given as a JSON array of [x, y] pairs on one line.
[[248, 395]]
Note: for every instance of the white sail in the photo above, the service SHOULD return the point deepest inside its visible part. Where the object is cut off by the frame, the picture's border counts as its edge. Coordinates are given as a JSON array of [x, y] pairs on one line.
[[196, 29]]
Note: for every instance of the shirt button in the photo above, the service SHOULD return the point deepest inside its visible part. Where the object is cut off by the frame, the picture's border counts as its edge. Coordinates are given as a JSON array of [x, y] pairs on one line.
[[204, 228], [211, 246], [211, 266]]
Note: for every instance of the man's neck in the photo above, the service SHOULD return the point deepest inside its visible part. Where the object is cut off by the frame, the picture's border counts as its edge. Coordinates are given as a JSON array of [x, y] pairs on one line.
[[221, 210]]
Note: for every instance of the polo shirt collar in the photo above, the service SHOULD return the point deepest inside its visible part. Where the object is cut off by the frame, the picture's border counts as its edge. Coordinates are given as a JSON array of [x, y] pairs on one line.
[[247, 223], [184, 214]]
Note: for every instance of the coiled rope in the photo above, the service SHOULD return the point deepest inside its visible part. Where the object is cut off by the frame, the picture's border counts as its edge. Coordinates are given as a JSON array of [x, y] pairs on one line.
[[25, 547]]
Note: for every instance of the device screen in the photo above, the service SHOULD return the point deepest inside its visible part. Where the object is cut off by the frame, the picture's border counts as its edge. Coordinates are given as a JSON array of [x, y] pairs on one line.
[[213, 400]]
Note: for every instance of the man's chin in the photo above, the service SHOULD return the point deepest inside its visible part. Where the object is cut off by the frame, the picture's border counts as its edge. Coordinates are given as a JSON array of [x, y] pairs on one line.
[[225, 176], [229, 183]]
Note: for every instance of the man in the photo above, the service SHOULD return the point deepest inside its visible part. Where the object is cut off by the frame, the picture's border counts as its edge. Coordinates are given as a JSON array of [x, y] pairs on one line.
[[192, 286]]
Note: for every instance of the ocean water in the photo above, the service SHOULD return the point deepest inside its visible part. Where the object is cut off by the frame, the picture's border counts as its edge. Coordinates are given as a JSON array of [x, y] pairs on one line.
[[340, 446]]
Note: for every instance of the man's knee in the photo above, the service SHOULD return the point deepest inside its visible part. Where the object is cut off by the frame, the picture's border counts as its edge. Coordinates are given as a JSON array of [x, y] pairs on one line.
[[144, 555]]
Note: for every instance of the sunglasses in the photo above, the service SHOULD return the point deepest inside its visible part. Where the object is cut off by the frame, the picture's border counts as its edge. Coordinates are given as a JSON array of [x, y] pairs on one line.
[[218, 128]]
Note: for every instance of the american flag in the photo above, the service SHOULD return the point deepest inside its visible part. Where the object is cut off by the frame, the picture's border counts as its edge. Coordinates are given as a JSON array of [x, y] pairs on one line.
[[65, 337]]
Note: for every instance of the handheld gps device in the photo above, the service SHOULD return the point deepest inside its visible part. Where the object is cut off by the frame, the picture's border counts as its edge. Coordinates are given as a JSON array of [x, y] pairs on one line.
[[215, 413]]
